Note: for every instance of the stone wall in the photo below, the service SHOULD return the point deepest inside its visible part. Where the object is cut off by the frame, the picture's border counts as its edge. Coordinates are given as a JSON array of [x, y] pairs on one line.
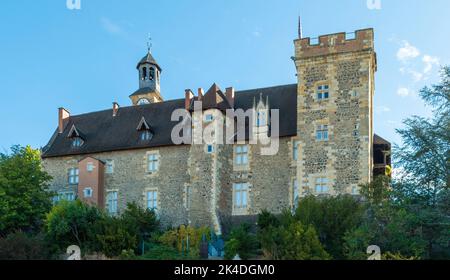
[[347, 67]]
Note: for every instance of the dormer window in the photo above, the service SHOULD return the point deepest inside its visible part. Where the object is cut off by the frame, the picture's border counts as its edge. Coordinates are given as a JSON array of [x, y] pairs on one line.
[[77, 142], [146, 135], [145, 131], [76, 137], [261, 118]]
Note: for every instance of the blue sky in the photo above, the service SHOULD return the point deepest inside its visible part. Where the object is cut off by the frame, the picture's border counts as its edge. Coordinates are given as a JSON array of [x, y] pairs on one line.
[[85, 59]]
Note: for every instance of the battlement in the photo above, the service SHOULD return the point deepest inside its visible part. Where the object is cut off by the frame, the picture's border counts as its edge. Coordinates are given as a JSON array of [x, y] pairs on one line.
[[335, 43]]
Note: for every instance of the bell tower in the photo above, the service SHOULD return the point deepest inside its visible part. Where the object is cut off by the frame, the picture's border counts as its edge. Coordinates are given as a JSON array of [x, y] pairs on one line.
[[149, 81]]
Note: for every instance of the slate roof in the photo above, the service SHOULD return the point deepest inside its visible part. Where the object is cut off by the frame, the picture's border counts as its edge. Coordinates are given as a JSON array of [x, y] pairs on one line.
[[104, 133], [148, 59], [378, 140]]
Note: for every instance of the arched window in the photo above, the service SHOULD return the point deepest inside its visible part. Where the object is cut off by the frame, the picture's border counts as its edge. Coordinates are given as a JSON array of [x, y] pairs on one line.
[[144, 73], [261, 119], [152, 73]]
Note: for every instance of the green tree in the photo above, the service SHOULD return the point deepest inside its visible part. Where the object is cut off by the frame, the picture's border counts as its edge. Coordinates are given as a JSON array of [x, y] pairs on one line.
[[23, 246], [115, 236], [243, 242], [332, 217], [24, 195], [289, 239], [74, 223], [424, 158], [140, 222]]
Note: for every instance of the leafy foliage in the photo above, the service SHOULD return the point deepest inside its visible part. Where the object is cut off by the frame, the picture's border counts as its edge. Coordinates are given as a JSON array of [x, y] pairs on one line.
[[285, 238], [74, 223], [332, 217], [22, 246], [185, 239], [241, 242], [24, 195]]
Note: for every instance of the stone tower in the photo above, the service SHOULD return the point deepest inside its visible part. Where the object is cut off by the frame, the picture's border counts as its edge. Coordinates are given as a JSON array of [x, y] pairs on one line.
[[335, 112], [149, 82]]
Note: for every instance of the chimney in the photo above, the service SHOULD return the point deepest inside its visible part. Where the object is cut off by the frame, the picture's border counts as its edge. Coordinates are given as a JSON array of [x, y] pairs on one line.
[[201, 93], [115, 108], [188, 97], [63, 117], [230, 96]]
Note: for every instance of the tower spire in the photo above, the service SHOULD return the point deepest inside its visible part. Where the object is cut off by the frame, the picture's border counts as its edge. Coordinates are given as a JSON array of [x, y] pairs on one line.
[[300, 28], [149, 44]]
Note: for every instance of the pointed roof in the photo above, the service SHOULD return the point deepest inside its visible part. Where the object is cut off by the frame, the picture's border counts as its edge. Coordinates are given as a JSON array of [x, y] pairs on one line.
[[149, 59], [215, 99]]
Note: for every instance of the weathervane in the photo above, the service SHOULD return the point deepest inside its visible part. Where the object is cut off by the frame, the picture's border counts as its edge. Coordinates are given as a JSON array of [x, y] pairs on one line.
[[149, 44]]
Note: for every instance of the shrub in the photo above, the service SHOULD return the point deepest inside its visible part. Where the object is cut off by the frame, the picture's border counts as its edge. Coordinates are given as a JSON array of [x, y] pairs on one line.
[[288, 239], [241, 242], [185, 239], [116, 237], [74, 223], [20, 246]]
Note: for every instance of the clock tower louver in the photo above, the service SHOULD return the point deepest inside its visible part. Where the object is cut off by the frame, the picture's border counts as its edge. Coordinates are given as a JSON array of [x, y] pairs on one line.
[[149, 82]]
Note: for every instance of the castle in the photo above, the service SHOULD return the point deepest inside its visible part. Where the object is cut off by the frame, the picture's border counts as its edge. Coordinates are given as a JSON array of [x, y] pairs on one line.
[[327, 145]]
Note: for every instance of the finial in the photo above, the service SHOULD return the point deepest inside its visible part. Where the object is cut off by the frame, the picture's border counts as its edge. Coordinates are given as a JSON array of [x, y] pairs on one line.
[[149, 44], [300, 29]]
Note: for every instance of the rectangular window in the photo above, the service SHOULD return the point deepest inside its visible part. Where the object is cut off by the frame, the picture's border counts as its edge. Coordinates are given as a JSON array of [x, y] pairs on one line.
[[152, 200], [73, 176], [240, 196], [111, 202], [153, 163], [322, 133], [90, 167], [209, 118], [323, 92], [64, 196], [109, 166], [241, 155], [188, 197], [321, 185], [261, 118], [88, 192], [210, 149], [295, 150], [295, 194]]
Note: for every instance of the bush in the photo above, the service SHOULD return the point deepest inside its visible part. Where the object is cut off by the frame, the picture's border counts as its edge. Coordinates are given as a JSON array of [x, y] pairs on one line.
[[185, 240], [288, 239], [241, 242], [159, 251], [116, 237], [332, 217], [20, 246], [74, 223]]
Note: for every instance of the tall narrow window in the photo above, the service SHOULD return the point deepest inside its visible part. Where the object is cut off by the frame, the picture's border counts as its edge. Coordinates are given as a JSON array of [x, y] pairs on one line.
[[241, 154], [109, 166], [188, 197], [152, 163], [322, 133], [295, 150], [144, 73], [322, 186], [295, 194], [240, 196], [261, 119], [152, 200], [152, 73], [73, 176], [111, 200]]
